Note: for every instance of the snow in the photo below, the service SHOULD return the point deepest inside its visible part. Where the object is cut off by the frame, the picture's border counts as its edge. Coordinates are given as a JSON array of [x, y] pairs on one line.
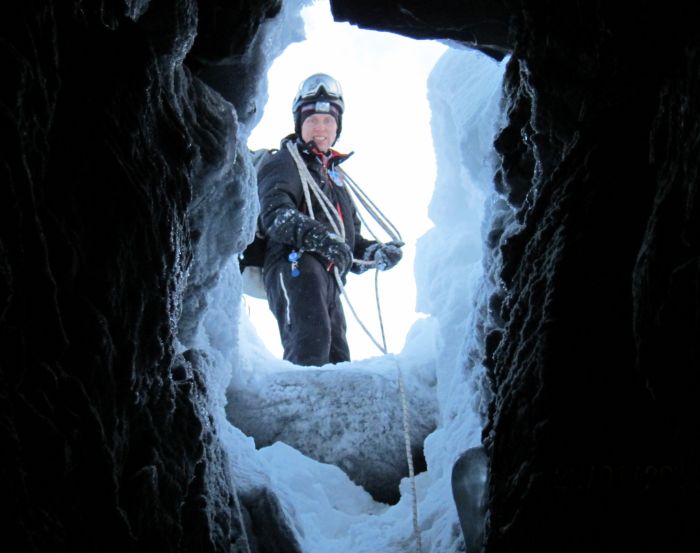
[[328, 511]]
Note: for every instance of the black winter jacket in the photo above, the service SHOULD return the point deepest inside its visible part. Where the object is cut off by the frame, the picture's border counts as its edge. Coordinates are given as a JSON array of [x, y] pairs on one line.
[[280, 189]]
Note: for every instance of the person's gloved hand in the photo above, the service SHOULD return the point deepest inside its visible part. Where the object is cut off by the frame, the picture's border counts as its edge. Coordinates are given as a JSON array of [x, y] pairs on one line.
[[387, 255], [331, 247]]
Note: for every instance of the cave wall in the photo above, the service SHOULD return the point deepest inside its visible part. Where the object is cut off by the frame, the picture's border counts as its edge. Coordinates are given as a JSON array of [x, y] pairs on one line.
[[594, 366], [591, 335], [114, 140]]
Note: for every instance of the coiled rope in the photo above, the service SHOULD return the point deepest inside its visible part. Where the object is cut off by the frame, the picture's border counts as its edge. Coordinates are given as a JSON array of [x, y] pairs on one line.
[[357, 195]]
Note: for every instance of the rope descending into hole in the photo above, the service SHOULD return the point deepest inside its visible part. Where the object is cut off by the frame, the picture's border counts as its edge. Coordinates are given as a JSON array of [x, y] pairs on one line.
[[357, 195]]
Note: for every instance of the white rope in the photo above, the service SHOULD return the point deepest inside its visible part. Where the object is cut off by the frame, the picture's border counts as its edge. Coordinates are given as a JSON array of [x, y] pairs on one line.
[[308, 183], [307, 196], [379, 307], [370, 206], [406, 426], [404, 402], [409, 458], [381, 347]]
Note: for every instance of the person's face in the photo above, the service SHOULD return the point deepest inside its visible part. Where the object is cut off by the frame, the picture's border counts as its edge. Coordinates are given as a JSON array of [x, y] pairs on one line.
[[321, 128]]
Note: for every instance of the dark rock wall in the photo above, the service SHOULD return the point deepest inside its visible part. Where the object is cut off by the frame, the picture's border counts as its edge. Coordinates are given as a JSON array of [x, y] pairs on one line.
[[111, 146], [481, 24], [594, 368], [592, 334]]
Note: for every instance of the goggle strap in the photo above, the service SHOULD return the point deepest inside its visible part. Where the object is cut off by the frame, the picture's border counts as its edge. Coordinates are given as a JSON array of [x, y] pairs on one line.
[[321, 107]]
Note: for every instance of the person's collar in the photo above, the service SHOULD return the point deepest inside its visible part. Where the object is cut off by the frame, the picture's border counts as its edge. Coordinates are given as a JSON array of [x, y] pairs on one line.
[[331, 157]]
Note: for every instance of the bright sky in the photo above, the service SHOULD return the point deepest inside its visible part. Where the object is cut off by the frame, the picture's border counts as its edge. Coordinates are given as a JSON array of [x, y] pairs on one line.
[[387, 125]]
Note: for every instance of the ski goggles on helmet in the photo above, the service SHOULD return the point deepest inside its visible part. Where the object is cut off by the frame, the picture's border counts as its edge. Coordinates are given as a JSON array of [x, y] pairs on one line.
[[321, 106], [320, 86]]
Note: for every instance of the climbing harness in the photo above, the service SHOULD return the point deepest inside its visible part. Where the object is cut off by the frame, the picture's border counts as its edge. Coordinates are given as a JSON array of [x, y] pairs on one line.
[[309, 185]]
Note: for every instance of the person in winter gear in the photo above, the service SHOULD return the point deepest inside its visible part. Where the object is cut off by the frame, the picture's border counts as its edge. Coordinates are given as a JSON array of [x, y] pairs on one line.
[[302, 251]]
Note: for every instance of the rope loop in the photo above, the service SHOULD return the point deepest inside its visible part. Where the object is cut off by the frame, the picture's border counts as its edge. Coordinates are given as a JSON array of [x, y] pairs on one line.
[[357, 195]]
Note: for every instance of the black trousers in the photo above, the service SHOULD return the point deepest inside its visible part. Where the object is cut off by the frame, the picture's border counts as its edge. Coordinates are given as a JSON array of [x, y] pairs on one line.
[[309, 312]]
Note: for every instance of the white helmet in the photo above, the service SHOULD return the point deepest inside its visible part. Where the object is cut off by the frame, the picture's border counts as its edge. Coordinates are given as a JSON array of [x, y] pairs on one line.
[[319, 87]]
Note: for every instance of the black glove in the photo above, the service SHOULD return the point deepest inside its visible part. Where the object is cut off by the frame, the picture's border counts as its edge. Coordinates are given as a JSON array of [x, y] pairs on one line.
[[330, 246], [386, 255]]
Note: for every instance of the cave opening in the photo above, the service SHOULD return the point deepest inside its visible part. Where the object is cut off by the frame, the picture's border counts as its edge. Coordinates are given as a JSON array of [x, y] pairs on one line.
[[334, 436], [126, 168]]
